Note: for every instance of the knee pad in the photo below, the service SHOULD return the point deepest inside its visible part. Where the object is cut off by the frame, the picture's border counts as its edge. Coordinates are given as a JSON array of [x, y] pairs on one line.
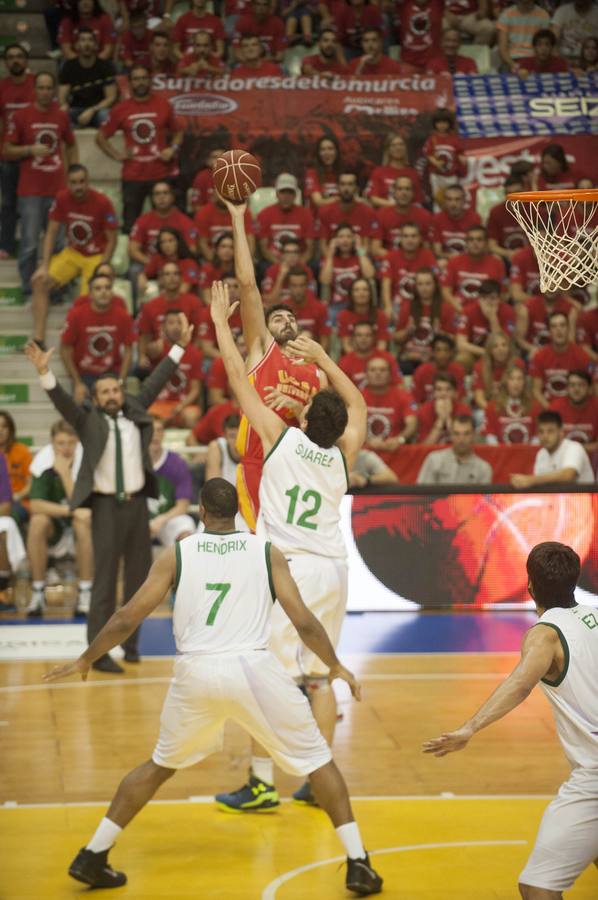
[[316, 683]]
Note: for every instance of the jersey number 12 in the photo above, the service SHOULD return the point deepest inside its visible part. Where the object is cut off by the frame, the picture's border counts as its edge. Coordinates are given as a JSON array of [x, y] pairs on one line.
[[312, 510]]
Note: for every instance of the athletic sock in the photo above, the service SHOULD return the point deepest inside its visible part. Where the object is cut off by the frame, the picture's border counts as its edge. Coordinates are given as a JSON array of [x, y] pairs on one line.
[[263, 768], [38, 587], [85, 585], [350, 838], [106, 834]]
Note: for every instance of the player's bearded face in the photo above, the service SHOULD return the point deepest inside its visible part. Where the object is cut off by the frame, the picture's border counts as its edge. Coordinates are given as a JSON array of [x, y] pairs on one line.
[[283, 328]]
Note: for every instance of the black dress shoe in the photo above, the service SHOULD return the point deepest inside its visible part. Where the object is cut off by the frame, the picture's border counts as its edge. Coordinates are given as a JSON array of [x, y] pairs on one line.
[[94, 869], [106, 664], [132, 656]]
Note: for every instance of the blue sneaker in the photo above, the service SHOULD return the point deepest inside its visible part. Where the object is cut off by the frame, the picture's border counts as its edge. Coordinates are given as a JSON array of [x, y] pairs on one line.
[[304, 795], [255, 796]]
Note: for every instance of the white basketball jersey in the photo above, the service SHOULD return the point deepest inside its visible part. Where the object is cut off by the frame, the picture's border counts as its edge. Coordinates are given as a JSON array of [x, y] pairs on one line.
[[300, 496], [224, 593], [574, 697]]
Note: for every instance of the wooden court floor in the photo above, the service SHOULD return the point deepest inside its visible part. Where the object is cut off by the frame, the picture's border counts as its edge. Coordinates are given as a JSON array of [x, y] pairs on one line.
[[458, 827]]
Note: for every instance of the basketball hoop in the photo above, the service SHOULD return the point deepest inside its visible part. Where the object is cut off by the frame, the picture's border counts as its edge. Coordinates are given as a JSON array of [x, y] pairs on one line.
[[562, 227]]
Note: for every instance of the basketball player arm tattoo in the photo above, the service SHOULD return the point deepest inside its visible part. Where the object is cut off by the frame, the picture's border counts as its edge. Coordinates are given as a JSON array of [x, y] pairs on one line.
[[124, 622], [537, 658], [310, 630], [354, 434], [266, 423]]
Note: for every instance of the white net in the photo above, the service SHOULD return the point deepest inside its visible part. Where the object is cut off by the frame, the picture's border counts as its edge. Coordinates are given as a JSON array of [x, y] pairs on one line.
[[564, 236]]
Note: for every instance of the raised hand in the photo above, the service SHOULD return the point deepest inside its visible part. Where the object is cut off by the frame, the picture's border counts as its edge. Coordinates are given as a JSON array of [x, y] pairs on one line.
[[221, 309], [306, 348], [237, 210], [40, 358]]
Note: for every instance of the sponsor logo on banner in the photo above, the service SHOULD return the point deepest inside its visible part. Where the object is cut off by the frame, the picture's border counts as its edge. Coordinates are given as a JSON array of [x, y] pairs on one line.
[[203, 105]]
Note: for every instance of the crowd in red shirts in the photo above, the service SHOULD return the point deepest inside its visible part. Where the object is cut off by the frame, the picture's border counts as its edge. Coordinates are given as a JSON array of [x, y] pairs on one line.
[[390, 268]]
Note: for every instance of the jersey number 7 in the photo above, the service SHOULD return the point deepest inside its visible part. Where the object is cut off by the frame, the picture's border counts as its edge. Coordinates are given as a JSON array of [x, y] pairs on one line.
[[223, 590]]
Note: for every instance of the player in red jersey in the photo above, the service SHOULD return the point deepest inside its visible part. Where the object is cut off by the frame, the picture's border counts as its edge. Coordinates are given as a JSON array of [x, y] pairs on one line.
[[285, 383], [152, 140], [347, 210], [551, 364], [178, 403], [579, 410], [391, 410], [354, 363], [97, 338], [198, 19], [467, 271], [392, 218], [16, 91], [89, 223], [451, 224]]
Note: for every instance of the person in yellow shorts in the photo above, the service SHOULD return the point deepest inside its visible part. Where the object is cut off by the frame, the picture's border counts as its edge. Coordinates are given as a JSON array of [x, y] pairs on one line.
[[90, 229]]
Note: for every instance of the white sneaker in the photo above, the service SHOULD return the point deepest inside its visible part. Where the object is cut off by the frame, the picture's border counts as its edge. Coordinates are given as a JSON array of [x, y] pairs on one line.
[[36, 605], [83, 603]]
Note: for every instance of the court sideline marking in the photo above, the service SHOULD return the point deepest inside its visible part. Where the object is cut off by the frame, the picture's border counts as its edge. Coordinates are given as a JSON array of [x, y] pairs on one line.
[[270, 890]]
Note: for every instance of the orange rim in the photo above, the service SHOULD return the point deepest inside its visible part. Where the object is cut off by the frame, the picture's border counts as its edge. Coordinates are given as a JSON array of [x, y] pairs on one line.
[[538, 196]]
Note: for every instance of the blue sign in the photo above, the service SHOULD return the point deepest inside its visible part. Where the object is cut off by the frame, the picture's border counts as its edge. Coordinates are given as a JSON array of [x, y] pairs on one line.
[[508, 106]]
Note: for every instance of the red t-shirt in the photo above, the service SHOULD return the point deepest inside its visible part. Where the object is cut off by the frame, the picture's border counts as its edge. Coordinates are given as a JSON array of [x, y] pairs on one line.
[[565, 181], [426, 417], [153, 312], [345, 269], [384, 66], [85, 221], [217, 377], [146, 126], [420, 31], [476, 327], [359, 216], [190, 368], [447, 148], [587, 329], [271, 274], [98, 338], [354, 366], [270, 31], [580, 422], [323, 65], [553, 64], [421, 340], [401, 270], [211, 426], [209, 273], [464, 274], [147, 227], [274, 223], [537, 312], [512, 425], [212, 221], [51, 127], [102, 26], [423, 380], [190, 57], [325, 184], [504, 229], [347, 320], [188, 268], [382, 182], [265, 68], [450, 233], [524, 270], [391, 220], [202, 189], [553, 367], [352, 22], [135, 50], [84, 299], [498, 370], [458, 65], [311, 316], [387, 411], [14, 96], [190, 23]]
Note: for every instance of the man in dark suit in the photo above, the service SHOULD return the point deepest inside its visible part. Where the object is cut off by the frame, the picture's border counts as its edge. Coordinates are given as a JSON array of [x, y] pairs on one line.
[[115, 478]]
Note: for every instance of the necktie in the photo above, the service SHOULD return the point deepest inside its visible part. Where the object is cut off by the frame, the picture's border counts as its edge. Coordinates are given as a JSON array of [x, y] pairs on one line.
[[119, 471]]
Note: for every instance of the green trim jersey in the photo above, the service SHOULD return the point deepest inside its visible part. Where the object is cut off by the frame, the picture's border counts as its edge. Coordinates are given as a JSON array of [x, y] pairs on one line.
[[573, 695], [214, 612], [300, 496]]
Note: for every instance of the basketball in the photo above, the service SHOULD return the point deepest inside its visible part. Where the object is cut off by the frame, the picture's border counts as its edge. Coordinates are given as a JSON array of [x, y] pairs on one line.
[[237, 174]]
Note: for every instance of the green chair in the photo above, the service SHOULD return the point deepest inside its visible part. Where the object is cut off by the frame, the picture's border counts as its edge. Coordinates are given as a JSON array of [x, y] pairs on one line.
[[293, 57], [486, 198], [120, 258]]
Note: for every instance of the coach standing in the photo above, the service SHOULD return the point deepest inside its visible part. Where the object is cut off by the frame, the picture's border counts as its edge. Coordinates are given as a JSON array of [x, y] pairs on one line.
[[115, 479]]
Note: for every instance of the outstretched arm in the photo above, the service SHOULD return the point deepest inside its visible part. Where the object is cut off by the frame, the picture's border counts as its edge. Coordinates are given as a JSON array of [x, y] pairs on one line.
[[64, 403], [124, 622], [354, 434], [266, 423], [310, 630], [537, 658], [257, 336]]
